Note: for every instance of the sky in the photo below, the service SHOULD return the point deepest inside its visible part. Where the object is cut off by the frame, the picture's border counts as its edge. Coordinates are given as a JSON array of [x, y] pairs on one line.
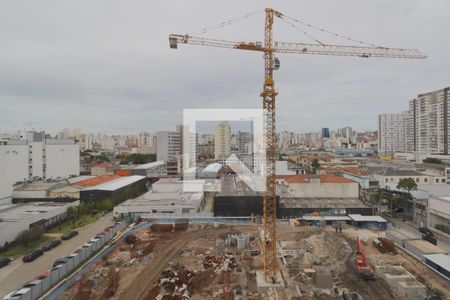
[[106, 66]]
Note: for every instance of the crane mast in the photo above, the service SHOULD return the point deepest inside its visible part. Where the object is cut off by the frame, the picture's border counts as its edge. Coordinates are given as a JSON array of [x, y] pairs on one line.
[[268, 95], [270, 195]]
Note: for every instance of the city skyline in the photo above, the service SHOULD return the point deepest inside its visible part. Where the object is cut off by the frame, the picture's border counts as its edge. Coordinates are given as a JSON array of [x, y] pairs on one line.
[[101, 75]]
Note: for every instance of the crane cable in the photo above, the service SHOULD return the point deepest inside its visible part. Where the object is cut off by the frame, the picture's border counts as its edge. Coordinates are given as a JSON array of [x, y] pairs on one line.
[[302, 31], [225, 23], [330, 32]]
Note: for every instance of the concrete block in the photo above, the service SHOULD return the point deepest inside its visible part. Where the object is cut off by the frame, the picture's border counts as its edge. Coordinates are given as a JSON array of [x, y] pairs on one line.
[[412, 290]]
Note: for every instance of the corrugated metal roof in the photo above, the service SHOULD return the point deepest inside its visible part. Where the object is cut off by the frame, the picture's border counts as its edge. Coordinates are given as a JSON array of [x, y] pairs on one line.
[[116, 183], [150, 165], [361, 218], [442, 260], [213, 168]]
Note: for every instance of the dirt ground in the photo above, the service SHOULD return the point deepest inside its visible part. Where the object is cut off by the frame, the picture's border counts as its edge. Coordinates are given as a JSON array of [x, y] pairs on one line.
[[203, 263]]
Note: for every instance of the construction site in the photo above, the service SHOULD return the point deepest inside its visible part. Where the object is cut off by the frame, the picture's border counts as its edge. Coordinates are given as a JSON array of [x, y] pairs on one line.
[[218, 261]]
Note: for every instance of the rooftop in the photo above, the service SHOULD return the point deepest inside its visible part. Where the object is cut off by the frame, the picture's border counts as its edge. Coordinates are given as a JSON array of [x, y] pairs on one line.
[[213, 168], [440, 259], [96, 180], [360, 218], [324, 178], [400, 172], [150, 165], [321, 203], [234, 186], [116, 183], [19, 212], [41, 185]]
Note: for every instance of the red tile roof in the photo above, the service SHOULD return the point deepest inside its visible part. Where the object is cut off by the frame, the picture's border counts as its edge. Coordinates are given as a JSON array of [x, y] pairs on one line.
[[96, 181]]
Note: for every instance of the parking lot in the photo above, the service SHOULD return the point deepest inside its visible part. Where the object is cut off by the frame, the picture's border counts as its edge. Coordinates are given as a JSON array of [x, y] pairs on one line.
[[18, 273]]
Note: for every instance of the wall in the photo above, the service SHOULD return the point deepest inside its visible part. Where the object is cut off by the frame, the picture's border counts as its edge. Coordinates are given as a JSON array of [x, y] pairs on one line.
[[62, 160], [13, 167], [438, 211]]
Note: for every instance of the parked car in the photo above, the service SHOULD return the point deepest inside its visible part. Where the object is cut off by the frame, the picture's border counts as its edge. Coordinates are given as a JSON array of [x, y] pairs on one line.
[[4, 261], [30, 256], [60, 261], [69, 235], [51, 245]]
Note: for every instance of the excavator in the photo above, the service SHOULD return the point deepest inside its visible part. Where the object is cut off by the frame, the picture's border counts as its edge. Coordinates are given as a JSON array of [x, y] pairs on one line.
[[364, 270]]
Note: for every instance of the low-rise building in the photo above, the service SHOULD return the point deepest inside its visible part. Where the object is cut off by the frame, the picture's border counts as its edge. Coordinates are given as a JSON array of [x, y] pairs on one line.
[[15, 218], [116, 190], [390, 177], [167, 198], [439, 213], [157, 169]]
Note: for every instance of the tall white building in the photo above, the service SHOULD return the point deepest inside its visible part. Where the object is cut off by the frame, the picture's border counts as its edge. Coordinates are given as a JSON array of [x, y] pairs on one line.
[[222, 140], [430, 112], [391, 129], [168, 145], [34, 158]]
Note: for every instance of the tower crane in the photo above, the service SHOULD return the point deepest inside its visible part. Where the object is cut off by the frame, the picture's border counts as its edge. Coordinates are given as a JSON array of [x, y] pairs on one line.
[[269, 47]]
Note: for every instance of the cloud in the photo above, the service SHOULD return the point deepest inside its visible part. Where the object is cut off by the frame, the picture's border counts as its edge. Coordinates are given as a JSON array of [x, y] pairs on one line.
[[106, 66]]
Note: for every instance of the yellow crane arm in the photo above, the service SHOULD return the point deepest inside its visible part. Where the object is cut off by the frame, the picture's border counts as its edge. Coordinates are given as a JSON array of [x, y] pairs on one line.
[[299, 48]]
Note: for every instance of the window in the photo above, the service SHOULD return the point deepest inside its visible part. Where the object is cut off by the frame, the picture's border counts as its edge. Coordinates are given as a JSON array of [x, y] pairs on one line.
[[387, 180], [417, 179], [425, 179], [437, 180], [443, 180]]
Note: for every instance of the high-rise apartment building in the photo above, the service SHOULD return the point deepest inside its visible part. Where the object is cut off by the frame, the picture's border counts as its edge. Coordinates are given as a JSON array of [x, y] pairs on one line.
[[429, 113], [168, 145], [222, 140], [391, 133]]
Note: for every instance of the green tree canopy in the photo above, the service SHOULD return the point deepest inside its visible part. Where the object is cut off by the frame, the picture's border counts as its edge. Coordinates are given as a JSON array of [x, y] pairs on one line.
[[430, 160], [407, 184]]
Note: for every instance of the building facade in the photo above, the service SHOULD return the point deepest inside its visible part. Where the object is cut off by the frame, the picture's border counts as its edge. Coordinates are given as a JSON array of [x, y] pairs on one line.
[[391, 137], [168, 145], [36, 158], [222, 140]]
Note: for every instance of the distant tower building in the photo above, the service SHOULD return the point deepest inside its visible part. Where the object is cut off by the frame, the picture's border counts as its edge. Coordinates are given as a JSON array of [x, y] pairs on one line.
[[326, 133], [222, 140], [245, 143], [168, 145], [391, 133]]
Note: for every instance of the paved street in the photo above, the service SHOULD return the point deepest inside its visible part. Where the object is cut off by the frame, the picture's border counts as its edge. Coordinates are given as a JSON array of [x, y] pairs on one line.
[[18, 273], [413, 232]]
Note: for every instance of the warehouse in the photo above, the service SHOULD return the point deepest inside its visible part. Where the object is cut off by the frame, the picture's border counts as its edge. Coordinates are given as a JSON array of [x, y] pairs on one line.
[[236, 199], [157, 169], [116, 190], [15, 218], [298, 207], [166, 199]]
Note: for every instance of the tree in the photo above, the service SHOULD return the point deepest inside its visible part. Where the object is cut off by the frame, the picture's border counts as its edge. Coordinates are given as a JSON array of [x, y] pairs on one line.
[[315, 165], [71, 213], [430, 160], [407, 185]]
